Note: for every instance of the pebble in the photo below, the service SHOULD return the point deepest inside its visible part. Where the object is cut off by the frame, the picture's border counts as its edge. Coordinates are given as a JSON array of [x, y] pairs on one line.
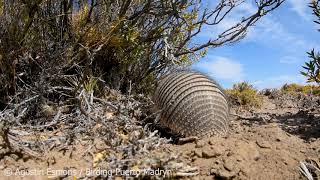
[[200, 144], [312, 139], [263, 144], [223, 174], [230, 165], [211, 142], [210, 153], [302, 151], [198, 153]]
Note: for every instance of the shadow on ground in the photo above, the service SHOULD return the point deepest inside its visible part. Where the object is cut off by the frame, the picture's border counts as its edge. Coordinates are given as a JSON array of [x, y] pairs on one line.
[[304, 124]]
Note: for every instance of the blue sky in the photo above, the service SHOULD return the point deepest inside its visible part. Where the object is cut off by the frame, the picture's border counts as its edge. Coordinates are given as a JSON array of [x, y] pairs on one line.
[[271, 54]]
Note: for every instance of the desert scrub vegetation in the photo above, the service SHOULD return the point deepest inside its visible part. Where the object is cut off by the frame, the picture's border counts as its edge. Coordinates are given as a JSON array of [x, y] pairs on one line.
[[304, 89], [244, 95], [125, 45]]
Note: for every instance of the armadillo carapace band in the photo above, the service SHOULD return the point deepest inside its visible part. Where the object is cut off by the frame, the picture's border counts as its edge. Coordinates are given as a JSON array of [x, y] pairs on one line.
[[192, 104]]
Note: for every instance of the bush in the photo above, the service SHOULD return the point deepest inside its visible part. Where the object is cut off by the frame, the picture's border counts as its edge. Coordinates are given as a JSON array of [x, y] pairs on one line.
[[304, 89], [245, 95], [312, 68], [125, 45]]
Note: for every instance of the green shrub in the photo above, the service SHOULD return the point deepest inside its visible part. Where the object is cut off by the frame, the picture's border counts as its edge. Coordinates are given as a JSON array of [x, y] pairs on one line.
[[245, 95]]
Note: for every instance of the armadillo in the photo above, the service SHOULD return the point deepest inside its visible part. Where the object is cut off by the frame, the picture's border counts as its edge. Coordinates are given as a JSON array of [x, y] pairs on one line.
[[192, 104]]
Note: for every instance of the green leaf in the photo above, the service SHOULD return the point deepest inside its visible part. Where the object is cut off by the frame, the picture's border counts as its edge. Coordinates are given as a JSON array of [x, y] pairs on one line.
[[307, 68], [307, 64], [303, 73]]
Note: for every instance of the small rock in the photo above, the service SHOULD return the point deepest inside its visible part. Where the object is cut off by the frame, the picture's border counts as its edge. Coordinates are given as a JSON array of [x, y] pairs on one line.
[[263, 144], [210, 153], [312, 139], [213, 171], [198, 153], [256, 155], [218, 151], [302, 151], [230, 165], [224, 174], [239, 158], [200, 144], [213, 143], [230, 153]]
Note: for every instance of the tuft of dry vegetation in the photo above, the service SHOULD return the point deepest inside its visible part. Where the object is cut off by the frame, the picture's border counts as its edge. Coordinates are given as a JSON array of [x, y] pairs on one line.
[[107, 135], [304, 89], [245, 95]]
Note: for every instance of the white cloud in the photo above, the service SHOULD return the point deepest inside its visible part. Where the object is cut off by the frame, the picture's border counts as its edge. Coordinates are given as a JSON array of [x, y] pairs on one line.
[[221, 68], [245, 9], [279, 81], [269, 31], [301, 8]]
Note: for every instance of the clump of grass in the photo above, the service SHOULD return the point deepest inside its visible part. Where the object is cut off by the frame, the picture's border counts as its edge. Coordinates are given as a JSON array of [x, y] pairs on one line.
[[304, 89], [245, 95]]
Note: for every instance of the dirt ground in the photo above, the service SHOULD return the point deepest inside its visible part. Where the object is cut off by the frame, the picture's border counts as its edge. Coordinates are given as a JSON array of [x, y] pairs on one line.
[[265, 143]]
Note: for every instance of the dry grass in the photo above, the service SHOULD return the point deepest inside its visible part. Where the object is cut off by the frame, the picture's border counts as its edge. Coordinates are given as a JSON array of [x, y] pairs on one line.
[[244, 95], [304, 89]]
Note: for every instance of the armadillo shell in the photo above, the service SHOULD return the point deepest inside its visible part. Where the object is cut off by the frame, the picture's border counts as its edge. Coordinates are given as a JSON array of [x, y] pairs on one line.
[[192, 104]]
